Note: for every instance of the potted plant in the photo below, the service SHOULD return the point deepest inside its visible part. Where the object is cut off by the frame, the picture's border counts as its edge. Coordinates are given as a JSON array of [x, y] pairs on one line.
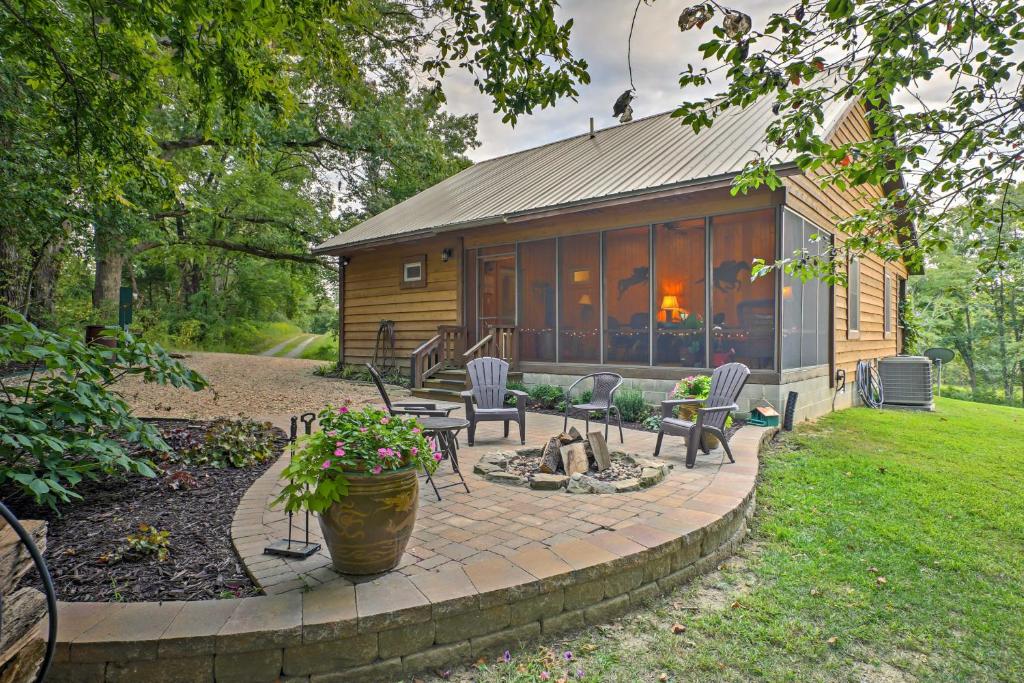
[[358, 475], [696, 386]]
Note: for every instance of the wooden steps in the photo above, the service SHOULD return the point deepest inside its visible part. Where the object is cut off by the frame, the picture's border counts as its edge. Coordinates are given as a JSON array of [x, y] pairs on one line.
[[446, 385]]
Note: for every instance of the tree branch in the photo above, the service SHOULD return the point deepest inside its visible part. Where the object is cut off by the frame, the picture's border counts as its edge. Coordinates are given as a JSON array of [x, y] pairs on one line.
[[252, 250]]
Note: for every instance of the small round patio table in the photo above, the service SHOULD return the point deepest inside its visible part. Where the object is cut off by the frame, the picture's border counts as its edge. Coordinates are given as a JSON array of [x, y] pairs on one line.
[[444, 430]]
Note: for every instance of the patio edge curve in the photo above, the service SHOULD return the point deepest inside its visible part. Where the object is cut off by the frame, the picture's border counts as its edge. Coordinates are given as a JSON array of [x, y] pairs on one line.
[[398, 626]]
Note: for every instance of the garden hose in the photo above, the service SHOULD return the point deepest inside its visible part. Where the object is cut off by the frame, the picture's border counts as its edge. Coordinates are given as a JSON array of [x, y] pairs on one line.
[[869, 385], [51, 594]]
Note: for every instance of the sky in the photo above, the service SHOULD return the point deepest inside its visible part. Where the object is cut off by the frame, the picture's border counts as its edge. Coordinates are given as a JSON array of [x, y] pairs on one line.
[[599, 35]]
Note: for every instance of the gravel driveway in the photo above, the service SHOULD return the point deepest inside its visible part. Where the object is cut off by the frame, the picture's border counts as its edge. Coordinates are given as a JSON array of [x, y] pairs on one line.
[[250, 386]]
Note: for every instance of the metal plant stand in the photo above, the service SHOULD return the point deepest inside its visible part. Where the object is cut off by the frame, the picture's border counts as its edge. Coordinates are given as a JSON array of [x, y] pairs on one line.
[[287, 547]]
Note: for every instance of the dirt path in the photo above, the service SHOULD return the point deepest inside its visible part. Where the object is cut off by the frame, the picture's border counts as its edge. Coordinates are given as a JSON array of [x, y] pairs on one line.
[[274, 350], [253, 386], [301, 346]]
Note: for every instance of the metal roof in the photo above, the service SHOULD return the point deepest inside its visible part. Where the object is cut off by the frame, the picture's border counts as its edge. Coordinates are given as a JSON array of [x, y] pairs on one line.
[[656, 152]]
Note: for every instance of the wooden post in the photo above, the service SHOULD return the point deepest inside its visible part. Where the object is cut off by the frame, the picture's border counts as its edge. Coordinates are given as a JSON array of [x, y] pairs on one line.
[[342, 261]]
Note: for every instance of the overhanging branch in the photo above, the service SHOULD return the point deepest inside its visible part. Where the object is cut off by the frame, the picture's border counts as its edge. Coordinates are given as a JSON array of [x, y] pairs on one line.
[[250, 249]]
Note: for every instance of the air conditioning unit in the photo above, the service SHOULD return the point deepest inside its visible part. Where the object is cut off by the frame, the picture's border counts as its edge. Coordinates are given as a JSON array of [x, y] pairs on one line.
[[906, 382]]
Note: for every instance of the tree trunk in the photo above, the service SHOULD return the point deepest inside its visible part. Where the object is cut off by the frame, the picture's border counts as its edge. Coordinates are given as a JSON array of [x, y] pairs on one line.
[[44, 282], [109, 267], [10, 267]]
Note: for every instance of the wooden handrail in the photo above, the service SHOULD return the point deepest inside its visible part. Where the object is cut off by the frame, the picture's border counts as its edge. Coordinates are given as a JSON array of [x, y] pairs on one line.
[[502, 341], [443, 350]]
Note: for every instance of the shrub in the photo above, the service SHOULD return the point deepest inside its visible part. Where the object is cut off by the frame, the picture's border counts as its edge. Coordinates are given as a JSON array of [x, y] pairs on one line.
[[547, 396], [238, 443], [510, 399], [694, 386], [652, 422], [368, 441], [631, 405], [62, 423]]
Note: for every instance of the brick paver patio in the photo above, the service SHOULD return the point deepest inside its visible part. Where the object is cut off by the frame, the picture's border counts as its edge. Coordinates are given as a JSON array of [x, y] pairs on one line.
[[492, 521]]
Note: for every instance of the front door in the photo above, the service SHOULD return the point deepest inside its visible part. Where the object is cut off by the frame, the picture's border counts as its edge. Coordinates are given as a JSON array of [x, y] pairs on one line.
[[496, 290]]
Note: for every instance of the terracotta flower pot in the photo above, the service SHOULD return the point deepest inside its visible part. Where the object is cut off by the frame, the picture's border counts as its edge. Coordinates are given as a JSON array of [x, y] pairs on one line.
[[366, 533], [690, 413]]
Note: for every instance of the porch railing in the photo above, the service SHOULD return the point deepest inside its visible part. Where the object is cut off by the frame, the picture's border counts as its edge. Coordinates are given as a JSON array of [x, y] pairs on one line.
[[502, 341], [444, 350], [447, 349]]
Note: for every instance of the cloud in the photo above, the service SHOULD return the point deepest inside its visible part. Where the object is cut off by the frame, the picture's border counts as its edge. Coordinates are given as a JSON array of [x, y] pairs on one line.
[[600, 33]]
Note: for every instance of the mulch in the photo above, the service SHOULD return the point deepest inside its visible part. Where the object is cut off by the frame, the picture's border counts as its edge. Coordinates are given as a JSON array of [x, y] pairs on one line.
[[202, 563]]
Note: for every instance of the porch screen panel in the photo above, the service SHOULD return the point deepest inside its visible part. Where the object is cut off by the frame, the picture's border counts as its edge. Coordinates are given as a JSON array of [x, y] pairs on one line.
[[743, 310], [679, 294], [805, 305], [792, 291], [579, 304], [627, 296], [537, 322]]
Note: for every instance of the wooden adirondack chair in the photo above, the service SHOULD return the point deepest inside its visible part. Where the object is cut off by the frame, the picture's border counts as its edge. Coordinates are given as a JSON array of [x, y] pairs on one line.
[[485, 402], [726, 384]]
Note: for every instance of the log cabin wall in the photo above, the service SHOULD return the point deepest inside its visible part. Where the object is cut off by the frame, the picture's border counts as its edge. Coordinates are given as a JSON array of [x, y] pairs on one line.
[[824, 207], [373, 293]]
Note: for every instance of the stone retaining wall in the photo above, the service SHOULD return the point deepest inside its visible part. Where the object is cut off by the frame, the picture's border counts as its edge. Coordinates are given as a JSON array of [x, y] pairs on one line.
[[395, 626]]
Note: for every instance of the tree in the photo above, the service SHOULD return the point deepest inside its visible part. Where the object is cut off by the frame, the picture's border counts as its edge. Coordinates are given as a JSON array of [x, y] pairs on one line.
[[109, 107], [941, 80]]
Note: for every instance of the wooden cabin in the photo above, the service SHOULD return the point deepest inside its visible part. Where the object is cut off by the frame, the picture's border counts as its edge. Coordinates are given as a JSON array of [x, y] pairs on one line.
[[622, 249]]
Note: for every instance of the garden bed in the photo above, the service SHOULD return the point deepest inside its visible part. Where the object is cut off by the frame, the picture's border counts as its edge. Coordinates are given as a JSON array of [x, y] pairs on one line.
[[87, 549]]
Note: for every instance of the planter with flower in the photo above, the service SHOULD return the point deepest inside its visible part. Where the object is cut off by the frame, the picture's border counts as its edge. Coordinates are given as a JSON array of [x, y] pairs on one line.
[[358, 475], [696, 386]]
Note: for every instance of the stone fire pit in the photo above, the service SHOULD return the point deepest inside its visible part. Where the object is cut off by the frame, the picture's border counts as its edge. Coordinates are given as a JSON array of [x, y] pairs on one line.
[[628, 472]]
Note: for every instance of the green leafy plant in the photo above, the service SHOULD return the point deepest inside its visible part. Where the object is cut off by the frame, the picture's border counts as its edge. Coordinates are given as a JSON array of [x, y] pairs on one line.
[[61, 422], [235, 443], [367, 441], [510, 399], [631, 405], [150, 541], [695, 386], [546, 396], [652, 422]]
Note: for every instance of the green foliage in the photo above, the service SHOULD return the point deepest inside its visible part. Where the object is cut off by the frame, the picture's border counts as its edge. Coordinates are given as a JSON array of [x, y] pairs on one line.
[[631, 404], [838, 506], [510, 400], [62, 422], [547, 396], [368, 441], [940, 83], [150, 541], [694, 386], [234, 443], [325, 347], [651, 422]]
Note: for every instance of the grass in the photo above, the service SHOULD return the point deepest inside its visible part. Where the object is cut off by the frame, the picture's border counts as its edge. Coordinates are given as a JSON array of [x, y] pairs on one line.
[[324, 348], [887, 546]]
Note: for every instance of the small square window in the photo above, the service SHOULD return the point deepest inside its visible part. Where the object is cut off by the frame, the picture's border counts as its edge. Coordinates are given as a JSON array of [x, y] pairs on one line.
[[414, 272]]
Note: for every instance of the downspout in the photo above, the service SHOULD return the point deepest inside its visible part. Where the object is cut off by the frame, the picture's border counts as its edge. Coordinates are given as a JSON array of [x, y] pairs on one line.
[[342, 263]]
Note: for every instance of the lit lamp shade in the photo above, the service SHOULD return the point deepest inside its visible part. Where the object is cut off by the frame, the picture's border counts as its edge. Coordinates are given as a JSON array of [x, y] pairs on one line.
[[787, 292], [670, 302], [585, 300]]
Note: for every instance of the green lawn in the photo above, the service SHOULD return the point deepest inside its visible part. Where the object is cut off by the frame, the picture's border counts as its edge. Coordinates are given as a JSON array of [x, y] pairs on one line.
[[324, 348], [888, 546]]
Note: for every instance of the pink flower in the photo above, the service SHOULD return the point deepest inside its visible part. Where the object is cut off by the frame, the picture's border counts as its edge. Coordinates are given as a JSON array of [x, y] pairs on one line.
[[415, 430], [437, 457], [333, 432], [342, 410], [338, 444], [384, 420], [325, 465], [414, 451], [545, 676], [339, 452], [377, 469], [364, 429]]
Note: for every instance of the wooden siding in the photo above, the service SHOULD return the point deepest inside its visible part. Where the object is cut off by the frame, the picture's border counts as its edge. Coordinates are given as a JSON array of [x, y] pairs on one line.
[[824, 207], [372, 294]]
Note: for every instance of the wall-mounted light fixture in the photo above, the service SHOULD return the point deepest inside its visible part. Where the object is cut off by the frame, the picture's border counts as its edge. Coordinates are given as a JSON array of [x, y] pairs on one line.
[[445, 255], [344, 261]]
